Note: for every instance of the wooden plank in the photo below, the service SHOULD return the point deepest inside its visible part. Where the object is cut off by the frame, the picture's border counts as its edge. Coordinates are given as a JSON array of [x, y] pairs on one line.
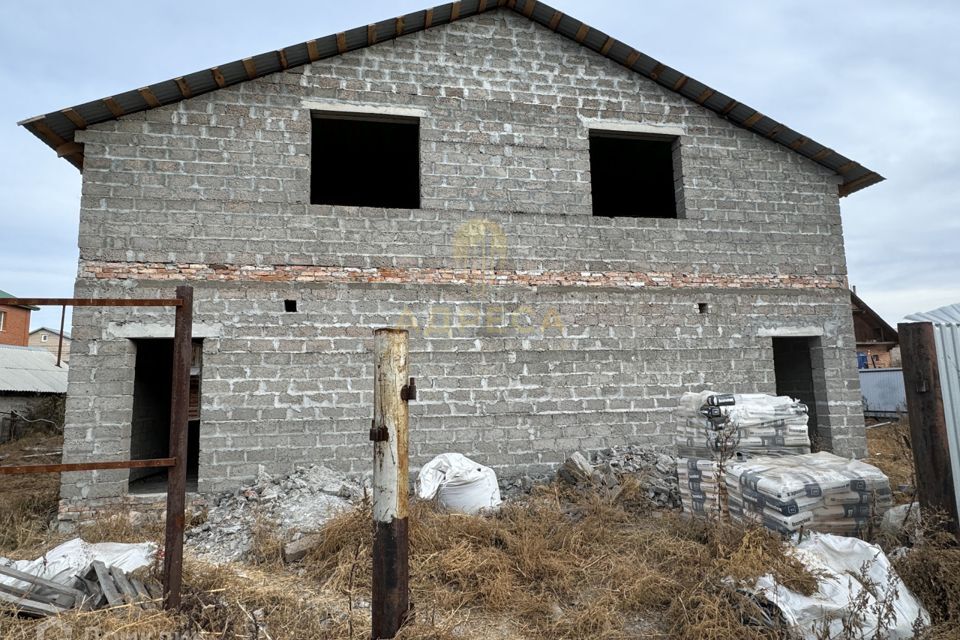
[[679, 84], [455, 11], [69, 149], [31, 607], [149, 97], [528, 7], [777, 128], [799, 142], [341, 42], [753, 119], [730, 106], [185, 89], [52, 137], [928, 422], [582, 32], [555, 20], [632, 58], [605, 49], [657, 70], [33, 594], [48, 584], [399, 26], [113, 106], [106, 584], [218, 77], [250, 68], [146, 600], [849, 187], [94, 598], [155, 463], [127, 590], [312, 52], [156, 591], [705, 95], [74, 117], [482, 6], [822, 154], [371, 34], [282, 57], [427, 18], [847, 167]]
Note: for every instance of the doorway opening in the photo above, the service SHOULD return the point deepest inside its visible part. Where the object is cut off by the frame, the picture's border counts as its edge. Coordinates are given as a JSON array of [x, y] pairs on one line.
[[150, 425], [793, 365]]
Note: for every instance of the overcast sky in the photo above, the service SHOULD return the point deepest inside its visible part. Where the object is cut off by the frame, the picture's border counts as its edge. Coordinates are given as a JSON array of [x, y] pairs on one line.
[[877, 81]]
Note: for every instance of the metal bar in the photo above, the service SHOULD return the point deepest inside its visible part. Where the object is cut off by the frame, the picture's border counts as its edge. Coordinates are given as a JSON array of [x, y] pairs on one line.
[[63, 318], [87, 466], [177, 475], [390, 601], [928, 424], [93, 302]]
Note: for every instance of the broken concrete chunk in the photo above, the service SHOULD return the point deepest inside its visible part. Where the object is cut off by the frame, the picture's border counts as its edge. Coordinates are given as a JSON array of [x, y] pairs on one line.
[[576, 470]]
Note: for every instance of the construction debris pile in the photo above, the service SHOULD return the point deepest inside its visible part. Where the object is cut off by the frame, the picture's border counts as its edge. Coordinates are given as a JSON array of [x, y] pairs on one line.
[[653, 470], [818, 491], [79, 576], [301, 501]]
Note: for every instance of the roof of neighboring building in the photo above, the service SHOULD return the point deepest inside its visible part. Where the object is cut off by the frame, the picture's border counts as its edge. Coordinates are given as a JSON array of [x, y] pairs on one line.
[[33, 370], [949, 314], [57, 128], [66, 334], [872, 315], [4, 294]]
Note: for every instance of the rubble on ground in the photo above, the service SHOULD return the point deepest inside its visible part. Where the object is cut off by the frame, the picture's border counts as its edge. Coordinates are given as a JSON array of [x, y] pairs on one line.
[[654, 470], [301, 501]]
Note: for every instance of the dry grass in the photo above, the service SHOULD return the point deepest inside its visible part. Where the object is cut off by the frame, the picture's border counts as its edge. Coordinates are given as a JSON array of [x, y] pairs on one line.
[[557, 565], [28, 502], [889, 450]]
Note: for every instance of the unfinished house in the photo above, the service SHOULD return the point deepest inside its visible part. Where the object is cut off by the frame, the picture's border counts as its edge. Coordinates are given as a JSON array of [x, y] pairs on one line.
[[573, 232]]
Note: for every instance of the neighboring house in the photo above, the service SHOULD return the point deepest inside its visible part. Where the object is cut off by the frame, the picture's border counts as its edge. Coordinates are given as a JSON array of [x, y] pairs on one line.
[[28, 378], [14, 322], [574, 233], [49, 339], [878, 346]]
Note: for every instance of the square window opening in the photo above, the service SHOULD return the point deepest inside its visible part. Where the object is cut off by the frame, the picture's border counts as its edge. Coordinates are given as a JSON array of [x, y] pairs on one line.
[[370, 161], [633, 175], [703, 307], [290, 306]]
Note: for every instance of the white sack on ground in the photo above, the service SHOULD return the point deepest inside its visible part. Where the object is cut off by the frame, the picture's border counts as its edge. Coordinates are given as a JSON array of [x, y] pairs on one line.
[[458, 484], [838, 561], [62, 563]]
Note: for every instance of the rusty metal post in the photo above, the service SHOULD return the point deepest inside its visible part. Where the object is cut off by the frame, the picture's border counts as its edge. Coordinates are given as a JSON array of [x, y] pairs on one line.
[[63, 318], [389, 434], [928, 422], [177, 474]]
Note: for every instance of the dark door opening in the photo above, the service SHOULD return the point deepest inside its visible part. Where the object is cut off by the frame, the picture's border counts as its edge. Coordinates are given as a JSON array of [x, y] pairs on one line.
[[150, 426], [793, 369]]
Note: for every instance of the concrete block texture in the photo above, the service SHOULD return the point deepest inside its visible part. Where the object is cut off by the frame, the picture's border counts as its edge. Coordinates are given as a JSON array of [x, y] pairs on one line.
[[536, 328]]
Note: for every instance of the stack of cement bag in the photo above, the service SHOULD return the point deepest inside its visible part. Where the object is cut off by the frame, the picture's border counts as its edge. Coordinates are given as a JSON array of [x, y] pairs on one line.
[[758, 424], [755, 424], [816, 491]]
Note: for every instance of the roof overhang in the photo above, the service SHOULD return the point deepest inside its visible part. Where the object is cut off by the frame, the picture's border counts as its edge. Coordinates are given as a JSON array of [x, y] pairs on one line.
[[58, 128]]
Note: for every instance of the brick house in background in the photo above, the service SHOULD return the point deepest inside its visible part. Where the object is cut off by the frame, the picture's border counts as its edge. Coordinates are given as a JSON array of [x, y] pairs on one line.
[[574, 233], [14, 322], [878, 344]]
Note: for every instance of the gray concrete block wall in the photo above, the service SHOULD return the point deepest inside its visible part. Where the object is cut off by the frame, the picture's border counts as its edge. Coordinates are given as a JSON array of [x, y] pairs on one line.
[[219, 184]]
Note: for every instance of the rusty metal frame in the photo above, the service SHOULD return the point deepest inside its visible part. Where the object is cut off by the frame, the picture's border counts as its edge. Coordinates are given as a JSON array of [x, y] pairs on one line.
[[179, 407]]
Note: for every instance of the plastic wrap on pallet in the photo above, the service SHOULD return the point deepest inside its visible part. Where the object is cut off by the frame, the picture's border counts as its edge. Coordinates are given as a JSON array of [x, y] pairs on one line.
[[818, 491]]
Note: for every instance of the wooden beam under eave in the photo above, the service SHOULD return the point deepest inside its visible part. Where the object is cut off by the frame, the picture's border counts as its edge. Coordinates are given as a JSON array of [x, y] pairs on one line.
[[427, 18], [455, 11], [705, 95], [528, 7], [342, 42], [657, 70], [605, 49], [849, 187], [632, 58], [69, 149], [582, 32], [371, 34], [282, 57], [75, 117], [822, 154], [312, 52], [218, 77], [149, 97], [250, 68], [112, 105], [729, 107], [482, 6], [399, 26], [555, 21], [753, 119], [53, 139], [799, 142], [185, 89], [679, 84], [847, 167]]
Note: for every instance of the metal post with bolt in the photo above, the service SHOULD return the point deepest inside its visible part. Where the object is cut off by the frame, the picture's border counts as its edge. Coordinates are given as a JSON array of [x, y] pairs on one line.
[[391, 392]]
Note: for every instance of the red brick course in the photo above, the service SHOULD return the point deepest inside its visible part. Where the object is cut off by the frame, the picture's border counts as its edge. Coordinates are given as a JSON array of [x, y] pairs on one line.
[[16, 326]]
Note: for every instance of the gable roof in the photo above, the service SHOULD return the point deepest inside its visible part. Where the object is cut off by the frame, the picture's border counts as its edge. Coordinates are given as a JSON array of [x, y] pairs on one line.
[[24, 369], [57, 128], [873, 316], [4, 294], [66, 334]]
